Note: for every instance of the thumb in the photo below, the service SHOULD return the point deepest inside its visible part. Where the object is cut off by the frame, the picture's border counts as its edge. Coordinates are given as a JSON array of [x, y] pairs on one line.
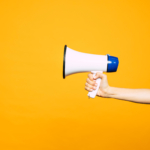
[[99, 75]]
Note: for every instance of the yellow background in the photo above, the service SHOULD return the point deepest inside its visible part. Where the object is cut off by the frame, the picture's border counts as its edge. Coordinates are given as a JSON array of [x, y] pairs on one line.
[[39, 110]]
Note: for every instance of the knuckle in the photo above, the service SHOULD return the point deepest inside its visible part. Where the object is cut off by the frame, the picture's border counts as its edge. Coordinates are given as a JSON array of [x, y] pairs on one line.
[[88, 80], [93, 83], [88, 85], [88, 89], [91, 77], [98, 73], [105, 76]]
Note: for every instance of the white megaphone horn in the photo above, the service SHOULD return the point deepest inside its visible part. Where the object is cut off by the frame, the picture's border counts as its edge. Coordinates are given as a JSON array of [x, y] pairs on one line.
[[75, 62]]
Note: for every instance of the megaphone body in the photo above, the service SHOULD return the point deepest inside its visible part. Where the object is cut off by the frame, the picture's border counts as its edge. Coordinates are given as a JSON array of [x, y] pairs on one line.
[[75, 62]]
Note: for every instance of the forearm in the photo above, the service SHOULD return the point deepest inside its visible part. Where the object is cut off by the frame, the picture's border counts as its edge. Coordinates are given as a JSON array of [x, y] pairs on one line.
[[134, 95]]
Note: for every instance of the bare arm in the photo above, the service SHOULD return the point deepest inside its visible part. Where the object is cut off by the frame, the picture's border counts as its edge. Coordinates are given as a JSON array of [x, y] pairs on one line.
[[134, 95]]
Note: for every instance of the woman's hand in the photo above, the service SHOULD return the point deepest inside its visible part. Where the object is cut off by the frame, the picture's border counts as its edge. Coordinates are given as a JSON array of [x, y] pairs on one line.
[[91, 84], [133, 95]]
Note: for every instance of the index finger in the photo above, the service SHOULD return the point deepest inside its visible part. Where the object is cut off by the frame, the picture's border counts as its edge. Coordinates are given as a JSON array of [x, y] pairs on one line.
[[90, 75]]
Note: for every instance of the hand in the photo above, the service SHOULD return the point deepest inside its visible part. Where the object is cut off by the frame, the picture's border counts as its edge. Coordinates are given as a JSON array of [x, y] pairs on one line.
[[91, 84]]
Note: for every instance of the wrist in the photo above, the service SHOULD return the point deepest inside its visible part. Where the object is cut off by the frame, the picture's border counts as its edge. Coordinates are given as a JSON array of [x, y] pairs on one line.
[[108, 92]]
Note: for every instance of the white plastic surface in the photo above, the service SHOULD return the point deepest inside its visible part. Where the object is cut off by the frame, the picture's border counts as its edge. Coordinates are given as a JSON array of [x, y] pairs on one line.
[[76, 62], [98, 81]]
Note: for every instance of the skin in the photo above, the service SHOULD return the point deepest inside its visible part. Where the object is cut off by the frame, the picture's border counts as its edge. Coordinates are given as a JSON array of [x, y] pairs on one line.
[[106, 91]]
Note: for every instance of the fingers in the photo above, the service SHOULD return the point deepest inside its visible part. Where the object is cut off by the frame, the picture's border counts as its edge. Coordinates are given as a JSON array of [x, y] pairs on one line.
[[90, 87], [100, 75], [91, 82], [90, 76]]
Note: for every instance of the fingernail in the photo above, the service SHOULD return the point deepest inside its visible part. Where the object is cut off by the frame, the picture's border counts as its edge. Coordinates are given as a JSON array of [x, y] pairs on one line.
[[96, 84], [94, 88], [91, 89]]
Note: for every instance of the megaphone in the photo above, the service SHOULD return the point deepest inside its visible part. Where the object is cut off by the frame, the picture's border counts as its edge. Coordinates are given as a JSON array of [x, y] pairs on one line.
[[76, 62]]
